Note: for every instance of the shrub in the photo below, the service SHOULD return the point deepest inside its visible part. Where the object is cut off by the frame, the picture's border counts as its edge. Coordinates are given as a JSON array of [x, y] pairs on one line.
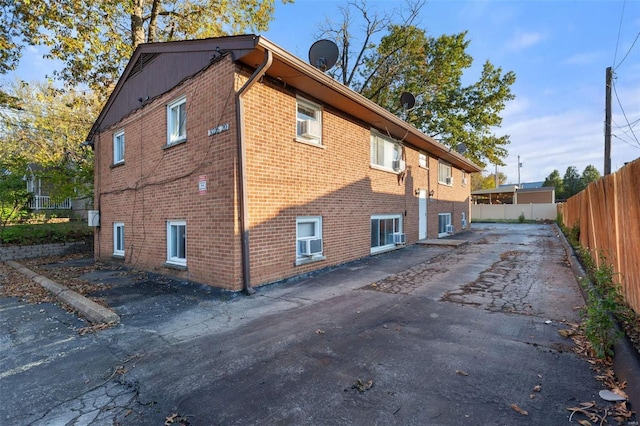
[[28, 234]]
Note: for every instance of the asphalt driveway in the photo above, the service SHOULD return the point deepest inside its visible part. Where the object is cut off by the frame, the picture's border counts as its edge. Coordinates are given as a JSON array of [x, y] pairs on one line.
[[422, 335]]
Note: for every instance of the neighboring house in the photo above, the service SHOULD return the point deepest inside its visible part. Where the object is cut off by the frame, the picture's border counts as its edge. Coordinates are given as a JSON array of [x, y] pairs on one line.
[[41, 196], [514, 195], [231, 162]]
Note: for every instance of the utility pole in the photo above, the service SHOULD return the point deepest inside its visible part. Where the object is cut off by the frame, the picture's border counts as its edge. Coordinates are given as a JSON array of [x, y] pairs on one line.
[[519, 165], [495, 176], [607, 122]]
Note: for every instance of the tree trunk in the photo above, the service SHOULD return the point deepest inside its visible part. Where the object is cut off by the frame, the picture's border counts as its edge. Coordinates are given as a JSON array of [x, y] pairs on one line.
[[152, 35], [137, 23]]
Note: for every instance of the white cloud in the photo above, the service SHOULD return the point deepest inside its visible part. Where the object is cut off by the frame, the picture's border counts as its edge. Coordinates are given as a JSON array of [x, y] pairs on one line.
[[525, 40], [515, 107], [549, 142], [583, 58]]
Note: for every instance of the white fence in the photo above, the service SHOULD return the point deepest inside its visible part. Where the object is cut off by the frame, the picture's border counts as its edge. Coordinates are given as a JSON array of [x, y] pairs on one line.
[[43, 202], [513, 211]]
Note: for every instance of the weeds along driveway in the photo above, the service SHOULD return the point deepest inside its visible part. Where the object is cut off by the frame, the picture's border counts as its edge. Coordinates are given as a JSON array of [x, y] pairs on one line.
[[419, 336]]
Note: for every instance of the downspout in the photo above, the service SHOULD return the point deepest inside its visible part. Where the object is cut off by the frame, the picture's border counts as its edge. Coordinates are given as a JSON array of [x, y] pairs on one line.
[[242, 179]]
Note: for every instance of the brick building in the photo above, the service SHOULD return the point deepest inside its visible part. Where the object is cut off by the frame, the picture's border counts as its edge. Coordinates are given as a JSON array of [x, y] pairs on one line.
[[231, 162]]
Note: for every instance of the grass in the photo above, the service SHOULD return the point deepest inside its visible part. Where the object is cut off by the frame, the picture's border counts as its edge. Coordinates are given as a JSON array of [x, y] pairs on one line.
[[45, 233], [604, 300]]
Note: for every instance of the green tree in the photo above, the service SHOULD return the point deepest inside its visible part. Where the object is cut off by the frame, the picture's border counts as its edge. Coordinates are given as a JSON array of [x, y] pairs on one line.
[[94, 39], [555, 180], [406, 59], [48, 131], [13, 190], [589, 174], [480, 181], [571, 182]]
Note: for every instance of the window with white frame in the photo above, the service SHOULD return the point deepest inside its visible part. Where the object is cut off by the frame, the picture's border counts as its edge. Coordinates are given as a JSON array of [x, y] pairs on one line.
[[31, 184], [464, 178], [444, 224], [422, 160], [385, 153], [308, 236], [464, 220], [177, 121], [118, 239], [177, 242], [383, 228], [308, 122], [444, 173], [118, 147]]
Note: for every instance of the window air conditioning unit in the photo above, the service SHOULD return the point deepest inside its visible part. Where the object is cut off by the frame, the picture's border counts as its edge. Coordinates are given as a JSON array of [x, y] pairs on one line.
[[449, 180], [398, 165], [449, 229], [310, 129], [399, 238], [310, 247], [464, 223]]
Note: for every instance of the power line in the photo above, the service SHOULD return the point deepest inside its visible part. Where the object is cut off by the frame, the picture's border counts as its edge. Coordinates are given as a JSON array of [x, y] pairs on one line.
[[625, 141], [628, 51], [615, 53], [623, 113]]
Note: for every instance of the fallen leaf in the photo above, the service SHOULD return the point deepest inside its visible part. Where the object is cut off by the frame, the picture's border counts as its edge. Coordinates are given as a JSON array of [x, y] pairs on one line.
[[360, 386], [318, 331], [462, 373], [585, 422], [566, 332], [519, 410], [537, 388], [169, 420]]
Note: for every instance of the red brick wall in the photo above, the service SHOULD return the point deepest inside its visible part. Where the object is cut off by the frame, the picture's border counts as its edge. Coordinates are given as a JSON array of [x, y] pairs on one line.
[[285, 179], [157, 184], [288, 179]]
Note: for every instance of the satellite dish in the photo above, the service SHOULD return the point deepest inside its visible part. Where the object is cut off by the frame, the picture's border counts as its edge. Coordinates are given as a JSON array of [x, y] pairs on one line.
[[461, 148], [323, 54], [407, 100]]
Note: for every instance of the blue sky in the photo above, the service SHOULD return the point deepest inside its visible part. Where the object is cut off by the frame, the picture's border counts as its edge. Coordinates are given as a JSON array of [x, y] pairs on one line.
[[559, 51]]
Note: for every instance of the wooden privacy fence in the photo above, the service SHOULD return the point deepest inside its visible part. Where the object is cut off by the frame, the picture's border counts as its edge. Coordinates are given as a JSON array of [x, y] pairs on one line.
[[608, 213]]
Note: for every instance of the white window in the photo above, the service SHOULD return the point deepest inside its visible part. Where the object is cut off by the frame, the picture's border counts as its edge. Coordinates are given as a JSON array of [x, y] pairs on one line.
[[383, 228], [177, 121], [118, 147], [444, 173], [422, 160], [177, 242], [31, 184], [464, 178], [464, 220], [308, 122], [118, 239], [308, 236], [444, 224], [385, 153]]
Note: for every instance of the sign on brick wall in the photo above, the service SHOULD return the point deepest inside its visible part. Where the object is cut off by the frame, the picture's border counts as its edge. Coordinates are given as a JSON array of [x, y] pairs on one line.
[[202, 184]]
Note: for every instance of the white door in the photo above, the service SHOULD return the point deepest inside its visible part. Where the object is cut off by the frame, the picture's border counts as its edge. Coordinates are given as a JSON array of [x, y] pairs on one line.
[[422, 214]]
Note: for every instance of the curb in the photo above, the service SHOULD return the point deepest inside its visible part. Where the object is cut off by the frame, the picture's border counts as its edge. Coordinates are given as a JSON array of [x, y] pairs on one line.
[[88, 308], [626, 363]]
